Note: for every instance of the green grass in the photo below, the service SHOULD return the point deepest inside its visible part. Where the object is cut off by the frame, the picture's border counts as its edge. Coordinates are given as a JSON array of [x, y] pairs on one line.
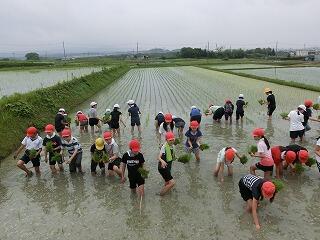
[[39, 107]]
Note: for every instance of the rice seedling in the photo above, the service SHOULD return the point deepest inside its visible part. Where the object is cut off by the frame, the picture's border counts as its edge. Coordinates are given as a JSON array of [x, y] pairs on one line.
[[97, 156], [284, 115], [278, 184], [245, 104], [76, 122], [49, 147], [252, 149], [105, 158], [316, 106], [185, 158], [177, 141], [261, 101], [244, 159], [143, 172], [32, 153], [206, 111], [298, 168], [56, 157], [204, 146], [68, 120], [310, 162]]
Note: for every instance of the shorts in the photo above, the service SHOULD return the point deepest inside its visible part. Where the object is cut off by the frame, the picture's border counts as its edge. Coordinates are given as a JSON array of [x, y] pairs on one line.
[[94, 165], [52, 163], [271, 110], [115, 162], [196, 118], [218, 114], [180, 124], [193, 150], [165, 172], [59, 129], [227, 115], [114, 125], [264, 168], [135, 121], [295, 134], [135, 181], [239, 114], [245, 192], [93, 121], [75, 163], [84, 123], [35, 162]]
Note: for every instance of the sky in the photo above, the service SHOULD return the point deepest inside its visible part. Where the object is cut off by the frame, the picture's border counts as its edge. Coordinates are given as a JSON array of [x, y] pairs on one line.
[[95, 25]]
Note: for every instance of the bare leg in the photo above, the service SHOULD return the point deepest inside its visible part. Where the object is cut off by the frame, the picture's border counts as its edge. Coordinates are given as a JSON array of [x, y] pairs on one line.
[[22, 166], [53, 169], [132, 130], [140, 190], [37, 170], [216, 170], [230, 170], [253, 169], [197, 154], [249, 205], [117, 170], [167, 187]]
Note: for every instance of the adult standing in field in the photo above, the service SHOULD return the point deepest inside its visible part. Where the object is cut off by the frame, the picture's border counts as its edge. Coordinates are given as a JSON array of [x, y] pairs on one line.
[[134, 113], [33, 145], [253, 189], [116, 119], [93, 117], [296, 119], [195, 114], [193, 139], [158, 120], [271, 102], [228, 110], [240, 107], [59, 121], [179, 124], [113, 153], [217, 112]]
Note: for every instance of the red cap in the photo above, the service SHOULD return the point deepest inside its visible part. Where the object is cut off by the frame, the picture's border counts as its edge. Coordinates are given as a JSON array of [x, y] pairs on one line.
[[258, 132], [290, 156], [268, 189], [303, 156], [134, 145], [169, 136], [107, 135], [31, 131], [66, 132], [194, 124], [228, 101], [168, 117], [49, 128], [230, 154], [308, 103]]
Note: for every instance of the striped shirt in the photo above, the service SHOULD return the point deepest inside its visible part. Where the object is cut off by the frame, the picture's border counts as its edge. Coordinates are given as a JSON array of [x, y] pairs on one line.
[[249, 180], [72, 145], [253, 183]]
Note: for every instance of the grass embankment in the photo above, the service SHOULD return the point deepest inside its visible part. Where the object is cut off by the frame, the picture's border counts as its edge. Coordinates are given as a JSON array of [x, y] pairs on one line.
[[272, 80], [39, 107]]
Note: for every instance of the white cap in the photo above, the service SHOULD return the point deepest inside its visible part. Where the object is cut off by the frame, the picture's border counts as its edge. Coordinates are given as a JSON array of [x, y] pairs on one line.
[[173, 116], [116, 106], [193, 107], [240, 95], [93, 104], [62, 110], [79, 112], [303, 107], [130, 102], [108, 110], [160, 112]]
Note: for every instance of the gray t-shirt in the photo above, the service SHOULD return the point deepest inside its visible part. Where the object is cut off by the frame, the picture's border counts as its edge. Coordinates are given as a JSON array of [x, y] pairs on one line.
[[92, 113], [112, 149]]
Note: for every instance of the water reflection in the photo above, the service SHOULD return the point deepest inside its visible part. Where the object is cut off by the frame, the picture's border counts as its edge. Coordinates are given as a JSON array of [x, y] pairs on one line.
[[3, 193]]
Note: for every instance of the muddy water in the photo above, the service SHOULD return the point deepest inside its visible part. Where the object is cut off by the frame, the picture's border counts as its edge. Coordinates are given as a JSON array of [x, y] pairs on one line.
[[25, 81], [200, 207]]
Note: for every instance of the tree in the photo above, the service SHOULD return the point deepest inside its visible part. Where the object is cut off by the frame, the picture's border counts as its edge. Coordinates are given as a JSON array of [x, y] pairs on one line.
[[32, 56]]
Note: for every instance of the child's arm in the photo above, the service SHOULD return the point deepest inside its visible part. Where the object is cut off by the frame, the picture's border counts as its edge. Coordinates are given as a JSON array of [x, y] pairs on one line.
[[255, 214], [198, 141], [72, 156], [190, 143], [162, 162], [123, 169], [317, 150], [18, 151]]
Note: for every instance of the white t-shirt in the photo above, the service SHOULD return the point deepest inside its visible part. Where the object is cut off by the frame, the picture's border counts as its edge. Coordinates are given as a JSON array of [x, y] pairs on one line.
[[318, 144], [214, 108], [32, 144], [296, 120], [162, 130], [112, 148], [262, 148], [222, 154]]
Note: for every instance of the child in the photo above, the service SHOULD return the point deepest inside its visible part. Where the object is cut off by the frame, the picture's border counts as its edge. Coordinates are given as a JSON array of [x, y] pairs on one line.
[[279, 154], [74, 149], [240, 107], [193, 139], [134, 113], [55, 140], [296, 118], [82, 121], [179, 123], [59, 121], [113, 153], [93, 117], [98, 149], [195, 114], [301, 153], [307, 114], [252, 190], [116, 119], [167, 125], [317, 152], [31, 142], [228, 110], [225, 157], [134, 160], [165, 159], [158, 120], [264, 153], [107, 117], [271, 102], [217, 112]]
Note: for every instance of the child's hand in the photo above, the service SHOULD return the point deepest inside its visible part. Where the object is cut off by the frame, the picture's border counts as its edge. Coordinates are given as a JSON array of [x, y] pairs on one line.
[[68, 161], [163, 164], [258, 227], [46, 159], [123, 179]]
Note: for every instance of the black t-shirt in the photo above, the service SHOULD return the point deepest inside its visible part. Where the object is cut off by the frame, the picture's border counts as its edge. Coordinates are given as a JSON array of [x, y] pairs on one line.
[[133, 162], [56, 142], [58, 122], [159, 118], [272, 101], [254, 183], [177, 120], [115, 116], [134, 111], [240, 103]]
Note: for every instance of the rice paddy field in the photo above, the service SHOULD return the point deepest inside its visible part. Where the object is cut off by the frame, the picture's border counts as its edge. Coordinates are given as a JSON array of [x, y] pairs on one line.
[[200, 207], [242, 66], [307, 75]]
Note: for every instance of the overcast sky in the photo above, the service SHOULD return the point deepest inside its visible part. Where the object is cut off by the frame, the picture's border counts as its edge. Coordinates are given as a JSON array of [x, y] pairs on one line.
[[42, 25]]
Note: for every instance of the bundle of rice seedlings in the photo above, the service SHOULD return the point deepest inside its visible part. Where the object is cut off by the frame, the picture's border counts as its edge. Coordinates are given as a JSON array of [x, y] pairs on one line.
[[252, 149], [32, 153], [310, 162], [316, 106], [143, 172], [184, 158], [261, 101], [278, 184], [68, 119], [49, 147], [298, 168], [56, 157], [204, 146], [105, 158], [246, 104], [284, 115], [76, 122], [206, 111], [97, 156], [177, 141], [244, 159]]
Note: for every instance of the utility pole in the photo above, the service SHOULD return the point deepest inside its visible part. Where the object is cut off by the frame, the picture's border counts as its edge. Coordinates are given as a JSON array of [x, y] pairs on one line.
[[208, 47], [64, 51], [137, 48], [276, 48]]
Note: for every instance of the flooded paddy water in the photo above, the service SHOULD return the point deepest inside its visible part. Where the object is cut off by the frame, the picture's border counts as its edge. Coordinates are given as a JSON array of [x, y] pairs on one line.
[[200, 207]]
